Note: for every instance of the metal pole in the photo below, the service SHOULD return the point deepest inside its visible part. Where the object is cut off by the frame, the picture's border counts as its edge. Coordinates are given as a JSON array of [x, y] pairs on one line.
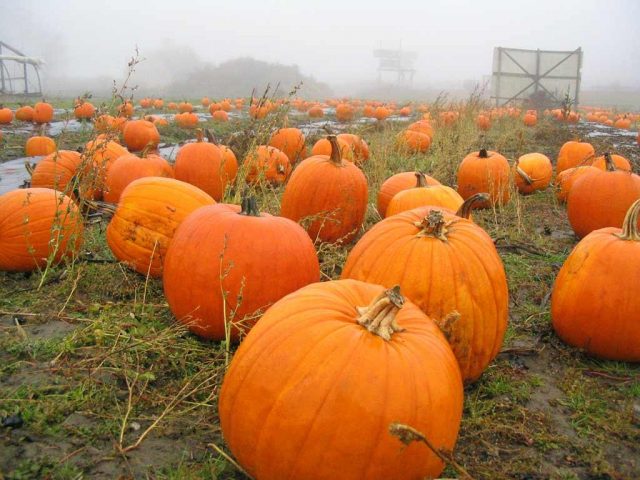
[[498, 76], [578, 76], [537, 70], [26, 82], [1, 70]]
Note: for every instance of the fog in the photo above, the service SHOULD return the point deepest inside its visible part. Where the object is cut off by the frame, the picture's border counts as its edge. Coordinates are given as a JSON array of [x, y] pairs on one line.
[[87, 44]]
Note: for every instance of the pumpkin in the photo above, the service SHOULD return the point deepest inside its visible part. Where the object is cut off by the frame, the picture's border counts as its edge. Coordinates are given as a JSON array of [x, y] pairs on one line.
[[532, 172], [224, 267], [574, 154], [405, 111], [130, 167], [595, 301], [6, 116], [396, 183], [344, 112], [24, 113], [381, 113], [484, 171], [291, 142], [140, 134], [483, 122], [37, 225], [352, 147], [104, 123], [601, 199], [220, 116], [266, 163], [57, 170], [318, 359], [422, 195], [449, 267], [202, 164], [413, 141], [422, 126], [619, 161], [126, 109], [315, 112], [566, 178], [185, 107], [148, 213], [186, 120], [42, 112], [100, 154], [39, 145], [158, 103], [530, 120], [84, 110], [330, 193]]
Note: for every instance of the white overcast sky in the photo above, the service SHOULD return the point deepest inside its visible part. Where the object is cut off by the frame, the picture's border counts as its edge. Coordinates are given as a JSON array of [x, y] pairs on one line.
[[331, 40]]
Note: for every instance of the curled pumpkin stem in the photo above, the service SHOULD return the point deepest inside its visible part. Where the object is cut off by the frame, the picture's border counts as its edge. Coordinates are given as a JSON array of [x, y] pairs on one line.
[[465, 209], [524, 175], [433, 225], [379, 317], [630, 225]]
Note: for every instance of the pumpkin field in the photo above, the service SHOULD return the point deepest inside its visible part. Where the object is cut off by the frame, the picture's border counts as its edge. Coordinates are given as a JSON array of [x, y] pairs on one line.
[[275, 287]]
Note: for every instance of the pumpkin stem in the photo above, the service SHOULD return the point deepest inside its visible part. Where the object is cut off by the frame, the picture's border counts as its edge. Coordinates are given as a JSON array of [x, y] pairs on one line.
[[523, 174], [336, 155], [421, 181], [211, 137], [199, 135], [630, 225], [611, 167], [433, 225], [145, 150], [483, 153], [465, 209], [379, 317], [249, 206]]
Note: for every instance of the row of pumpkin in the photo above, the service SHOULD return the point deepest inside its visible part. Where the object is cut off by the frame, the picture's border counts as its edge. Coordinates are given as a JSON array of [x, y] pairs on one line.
[[342, 360]]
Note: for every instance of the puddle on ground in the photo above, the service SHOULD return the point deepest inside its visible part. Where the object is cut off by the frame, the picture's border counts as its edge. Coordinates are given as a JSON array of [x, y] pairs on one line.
[[13, 173]]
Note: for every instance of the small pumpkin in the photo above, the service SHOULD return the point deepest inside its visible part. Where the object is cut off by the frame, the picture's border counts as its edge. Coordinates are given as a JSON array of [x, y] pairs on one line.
[[485, 171], [57, 170], [140, 134], [24, 113], [413, 141], [574, 154], [39, 145], [619, 161], [291, 142], [42, 112], [566, 178], [266, 163], [203, 164], [396, 183], [532, 172], [422, 195], [6, 115]]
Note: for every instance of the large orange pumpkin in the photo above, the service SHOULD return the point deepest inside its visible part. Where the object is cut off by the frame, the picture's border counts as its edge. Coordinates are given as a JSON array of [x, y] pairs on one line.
[[57, 170], [330, 193], [422, 195], [574, 154], [140, 134], [266, 163], [37, 225], [533, 172], [449, 267], [485, 171], [39, 145], [42, 112], [291, 142], [319, 379], [149, 211], [601, 199], [130, 167], [203, 164], [224, 267], [595, 303], [396, 183]]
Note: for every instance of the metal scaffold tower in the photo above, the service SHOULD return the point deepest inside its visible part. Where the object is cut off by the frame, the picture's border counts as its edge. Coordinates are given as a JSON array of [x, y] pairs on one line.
[[397, 61]]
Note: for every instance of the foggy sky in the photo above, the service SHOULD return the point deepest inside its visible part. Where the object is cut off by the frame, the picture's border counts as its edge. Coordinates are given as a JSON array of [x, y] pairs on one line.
[[332, 40]]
